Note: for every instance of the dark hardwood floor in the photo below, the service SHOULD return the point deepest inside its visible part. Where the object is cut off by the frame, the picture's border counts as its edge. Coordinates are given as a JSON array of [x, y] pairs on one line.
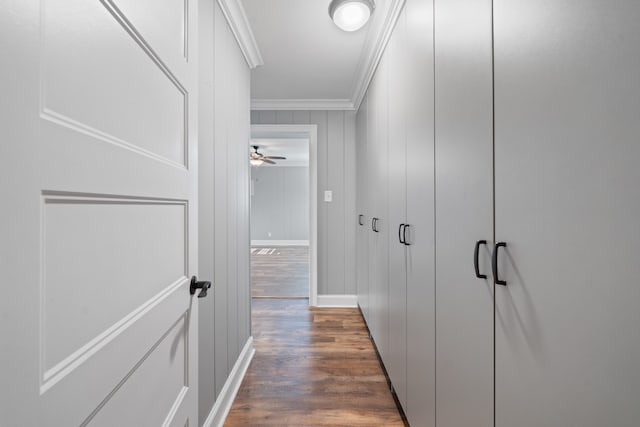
[[280, 272], [312, 367]]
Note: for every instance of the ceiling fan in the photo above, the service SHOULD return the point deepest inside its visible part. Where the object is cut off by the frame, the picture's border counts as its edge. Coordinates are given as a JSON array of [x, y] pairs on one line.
[[257, 158]]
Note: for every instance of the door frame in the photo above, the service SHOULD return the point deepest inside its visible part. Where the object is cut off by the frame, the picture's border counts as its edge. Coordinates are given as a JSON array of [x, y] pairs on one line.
[[309, 132]]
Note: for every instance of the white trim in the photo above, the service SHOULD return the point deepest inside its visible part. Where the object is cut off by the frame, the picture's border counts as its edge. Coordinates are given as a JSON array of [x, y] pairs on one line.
[[337, 301], [302, 104], [237, 19], [374, 48], [311, 131], [227, 395], [279, 243]]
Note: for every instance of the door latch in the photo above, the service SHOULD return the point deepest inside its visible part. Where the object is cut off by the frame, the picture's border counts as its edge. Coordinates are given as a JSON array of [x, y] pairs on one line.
[[199, 285]]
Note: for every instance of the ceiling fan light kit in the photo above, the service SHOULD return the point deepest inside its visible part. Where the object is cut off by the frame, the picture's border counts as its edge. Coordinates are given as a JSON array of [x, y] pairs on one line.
[[350, 15], [256, 158]]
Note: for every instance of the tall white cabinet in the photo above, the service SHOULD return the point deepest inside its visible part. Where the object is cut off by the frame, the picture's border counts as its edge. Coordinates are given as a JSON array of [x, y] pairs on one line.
[[397, 299], [502, 146], [567, 203], [464, 213]]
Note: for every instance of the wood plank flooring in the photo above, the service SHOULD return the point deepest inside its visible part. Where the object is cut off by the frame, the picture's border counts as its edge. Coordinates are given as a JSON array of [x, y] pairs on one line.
[[280, 272], [312, 367]]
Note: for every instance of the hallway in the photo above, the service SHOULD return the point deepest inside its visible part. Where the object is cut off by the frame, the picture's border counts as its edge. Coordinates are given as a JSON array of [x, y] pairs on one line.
[[313, 366]]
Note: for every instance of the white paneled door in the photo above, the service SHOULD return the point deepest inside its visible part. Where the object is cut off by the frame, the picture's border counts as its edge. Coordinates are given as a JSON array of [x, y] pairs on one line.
[[98, 187]]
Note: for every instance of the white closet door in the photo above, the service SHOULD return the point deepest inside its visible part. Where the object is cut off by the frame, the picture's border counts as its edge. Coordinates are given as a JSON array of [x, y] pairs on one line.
[[362, 252], [464, 213], [98, 180], [418, 92], [567, 204], [380, 211], [397, 212]]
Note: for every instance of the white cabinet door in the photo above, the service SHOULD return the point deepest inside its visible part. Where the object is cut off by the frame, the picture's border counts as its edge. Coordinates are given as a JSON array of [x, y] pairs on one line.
[[396, 363], [464, 213], [362, 242], [567, 205], [380, 196], [98, 220], [418, 92]]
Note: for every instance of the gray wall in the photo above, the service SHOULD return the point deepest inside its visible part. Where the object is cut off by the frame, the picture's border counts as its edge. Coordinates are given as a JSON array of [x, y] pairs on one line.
[[337, 172], [224, 316], [280, 203]]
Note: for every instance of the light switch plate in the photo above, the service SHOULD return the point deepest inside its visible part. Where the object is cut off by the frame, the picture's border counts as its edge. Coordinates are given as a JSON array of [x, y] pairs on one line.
[[328, 196]]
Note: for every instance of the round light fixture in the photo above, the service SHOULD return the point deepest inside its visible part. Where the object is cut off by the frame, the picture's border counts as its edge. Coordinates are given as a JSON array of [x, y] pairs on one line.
[[350, 15]]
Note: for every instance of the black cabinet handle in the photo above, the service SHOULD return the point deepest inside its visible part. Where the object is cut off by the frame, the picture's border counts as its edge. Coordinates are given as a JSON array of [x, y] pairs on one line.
[[373, 224], [360, 218], [199, 285], [494, 264], [404, 235], [376, 225], [475, 259], [400, 233]]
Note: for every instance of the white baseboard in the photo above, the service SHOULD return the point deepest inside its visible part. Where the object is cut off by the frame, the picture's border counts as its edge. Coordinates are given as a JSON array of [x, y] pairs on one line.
[[337, 301], [279, 243], [223, 404]]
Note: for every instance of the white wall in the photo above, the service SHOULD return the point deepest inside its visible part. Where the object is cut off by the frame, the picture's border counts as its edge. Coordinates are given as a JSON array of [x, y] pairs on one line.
[[336, 172], [280, 203], [224, 318]]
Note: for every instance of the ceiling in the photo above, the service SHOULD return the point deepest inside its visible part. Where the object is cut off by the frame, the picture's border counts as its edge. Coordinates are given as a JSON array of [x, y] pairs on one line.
[[306, 57], [295, 149]]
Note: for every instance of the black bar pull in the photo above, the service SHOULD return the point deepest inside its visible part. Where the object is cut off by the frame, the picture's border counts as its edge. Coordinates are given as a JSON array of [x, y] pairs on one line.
[[199, 285], [373, 224], [404, 235], [475, 259], [400, 233], [360, 218], [494, 264]]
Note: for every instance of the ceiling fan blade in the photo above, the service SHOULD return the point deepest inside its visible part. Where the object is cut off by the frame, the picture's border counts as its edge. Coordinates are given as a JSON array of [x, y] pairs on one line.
[[268, 161], [275, 157]]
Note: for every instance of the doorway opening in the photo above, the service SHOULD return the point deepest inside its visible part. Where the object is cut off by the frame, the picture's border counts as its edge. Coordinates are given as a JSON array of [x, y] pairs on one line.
[[284, 212]]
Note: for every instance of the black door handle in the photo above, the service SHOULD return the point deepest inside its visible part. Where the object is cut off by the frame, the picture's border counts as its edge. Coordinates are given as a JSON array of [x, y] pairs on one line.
[[400, 233], [475, 259], [494, 264], [374, 224], [404, 235], [199, 285], [360, 218]]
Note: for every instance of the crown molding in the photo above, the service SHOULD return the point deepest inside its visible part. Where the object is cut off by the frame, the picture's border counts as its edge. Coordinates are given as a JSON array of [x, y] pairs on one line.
[[302, 104], [374, 48], [236, 16]]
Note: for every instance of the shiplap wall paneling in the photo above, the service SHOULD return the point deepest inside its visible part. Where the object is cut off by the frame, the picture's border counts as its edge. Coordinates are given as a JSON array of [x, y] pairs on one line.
[[224, 212], [336, 172]]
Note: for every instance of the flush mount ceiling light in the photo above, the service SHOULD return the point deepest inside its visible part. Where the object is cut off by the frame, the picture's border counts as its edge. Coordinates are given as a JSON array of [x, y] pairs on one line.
[[350, 15]]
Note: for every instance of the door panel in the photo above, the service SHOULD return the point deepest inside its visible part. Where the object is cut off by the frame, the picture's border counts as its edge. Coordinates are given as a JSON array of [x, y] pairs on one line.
[[464, 213], [420, 408], [362, 249], [566, 151], [380, 190], [397, 362], [99, 243]]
